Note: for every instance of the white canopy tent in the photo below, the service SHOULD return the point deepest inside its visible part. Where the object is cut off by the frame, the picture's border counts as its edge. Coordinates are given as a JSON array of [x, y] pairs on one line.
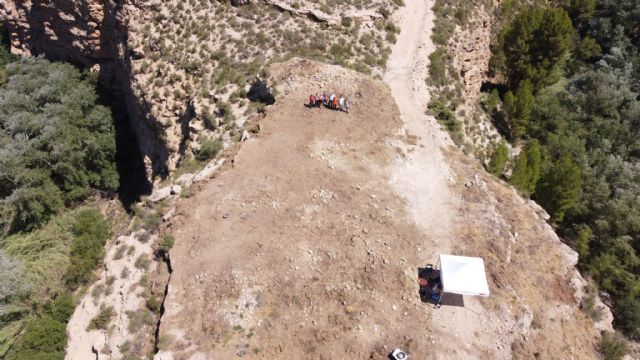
[[462, 275]]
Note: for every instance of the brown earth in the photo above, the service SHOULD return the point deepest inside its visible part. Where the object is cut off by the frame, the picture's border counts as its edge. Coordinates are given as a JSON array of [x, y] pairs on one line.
[[302, 248], [309, 245]]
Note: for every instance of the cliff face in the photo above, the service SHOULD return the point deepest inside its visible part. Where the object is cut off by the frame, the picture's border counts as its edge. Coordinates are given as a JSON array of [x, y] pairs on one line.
[[94, 35], [64, 29]]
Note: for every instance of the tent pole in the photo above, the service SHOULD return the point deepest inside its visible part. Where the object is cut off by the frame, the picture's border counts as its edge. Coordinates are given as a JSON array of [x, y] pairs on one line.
[[439, 300]]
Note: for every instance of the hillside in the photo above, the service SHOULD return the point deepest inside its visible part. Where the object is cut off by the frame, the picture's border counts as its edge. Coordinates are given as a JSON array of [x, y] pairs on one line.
[[277, 230], [310, 244]]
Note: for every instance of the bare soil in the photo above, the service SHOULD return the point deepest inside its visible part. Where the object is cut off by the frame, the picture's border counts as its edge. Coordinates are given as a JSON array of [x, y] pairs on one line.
[[303, 247], [307, 245]]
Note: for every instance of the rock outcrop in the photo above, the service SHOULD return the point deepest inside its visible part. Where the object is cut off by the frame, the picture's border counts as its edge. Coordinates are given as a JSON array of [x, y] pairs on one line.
[[64, 29], [471, 50]]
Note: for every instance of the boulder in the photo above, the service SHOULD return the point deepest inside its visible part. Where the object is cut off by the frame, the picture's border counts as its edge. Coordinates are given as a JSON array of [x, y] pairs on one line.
[[208, 171], [245, 136], [160, 194], [185, 180], [176, 190]]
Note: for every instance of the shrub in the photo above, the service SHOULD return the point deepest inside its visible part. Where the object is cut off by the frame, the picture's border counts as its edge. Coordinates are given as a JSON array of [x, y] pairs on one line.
[[13, 279], [208, 150], [44, 338], [61, 308], [444, 115], [384, 11], [91, 232], [153, 304], [437, 67], [167, 243], [137, 319], [142, 262], [102, 320], [613, 346]]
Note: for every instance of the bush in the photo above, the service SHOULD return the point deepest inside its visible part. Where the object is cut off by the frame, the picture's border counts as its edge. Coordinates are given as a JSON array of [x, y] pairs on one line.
[[613, 346], [91, 232], [208, 150], [142, 262], [444, 115], [102, 320], [438, 68], [61, 308], [44, 338], [13, 279], [167, 243]]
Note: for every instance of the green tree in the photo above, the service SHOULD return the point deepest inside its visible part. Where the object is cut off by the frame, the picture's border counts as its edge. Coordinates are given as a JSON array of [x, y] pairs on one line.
[[535, 46], [56, 142], [560, 188], [498, 159], [519, 120], [580, 11], [583, 238], [526, 172]]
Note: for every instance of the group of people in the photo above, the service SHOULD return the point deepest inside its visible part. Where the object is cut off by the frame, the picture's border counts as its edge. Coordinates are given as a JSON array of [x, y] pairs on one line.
[[331, 101]]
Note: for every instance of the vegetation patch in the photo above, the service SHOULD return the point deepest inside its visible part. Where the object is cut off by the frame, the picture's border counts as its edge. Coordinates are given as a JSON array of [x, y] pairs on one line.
[[571, 97]]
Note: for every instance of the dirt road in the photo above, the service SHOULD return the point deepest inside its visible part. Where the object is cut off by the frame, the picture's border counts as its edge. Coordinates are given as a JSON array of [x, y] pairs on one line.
[[424, 178]]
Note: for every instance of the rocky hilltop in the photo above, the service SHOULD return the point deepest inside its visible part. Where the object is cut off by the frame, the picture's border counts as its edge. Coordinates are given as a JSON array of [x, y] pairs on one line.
[[307, 241]]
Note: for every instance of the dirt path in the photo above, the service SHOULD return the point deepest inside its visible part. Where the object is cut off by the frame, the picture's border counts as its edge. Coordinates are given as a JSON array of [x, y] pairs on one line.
[[423, 177]]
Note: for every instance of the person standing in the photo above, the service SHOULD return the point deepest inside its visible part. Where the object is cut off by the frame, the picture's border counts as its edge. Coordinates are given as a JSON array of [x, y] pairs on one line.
[[331, 100], [341, 103], [312, 101], [346, 105]]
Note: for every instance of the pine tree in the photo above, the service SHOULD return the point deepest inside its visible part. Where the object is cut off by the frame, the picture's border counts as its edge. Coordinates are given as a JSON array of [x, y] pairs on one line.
[[523, 102], [560, 188], [535, 46], [498, 159]]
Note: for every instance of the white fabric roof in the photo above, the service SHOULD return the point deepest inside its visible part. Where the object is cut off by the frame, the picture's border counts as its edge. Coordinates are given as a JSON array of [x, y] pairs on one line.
[[463, 275]]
